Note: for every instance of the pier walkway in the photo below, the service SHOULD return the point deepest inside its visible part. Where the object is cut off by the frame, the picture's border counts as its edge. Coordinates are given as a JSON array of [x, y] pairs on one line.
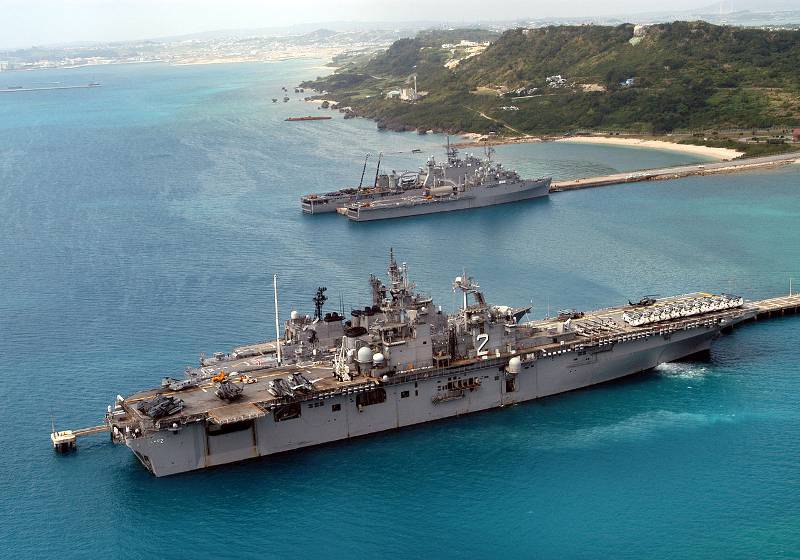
[[67, 440], [775, 307], [713, 168]]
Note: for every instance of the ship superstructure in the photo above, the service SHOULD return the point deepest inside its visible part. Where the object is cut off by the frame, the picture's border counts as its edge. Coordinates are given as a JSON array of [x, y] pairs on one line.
[[396, 362]]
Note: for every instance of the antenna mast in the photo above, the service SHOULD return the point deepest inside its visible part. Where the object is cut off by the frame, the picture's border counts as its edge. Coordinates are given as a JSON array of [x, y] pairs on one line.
[[277, 320], [363, 171], [378, 169], [319, 300], [467, 286]]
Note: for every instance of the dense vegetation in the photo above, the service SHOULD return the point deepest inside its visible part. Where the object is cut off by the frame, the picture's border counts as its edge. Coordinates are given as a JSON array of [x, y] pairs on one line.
[[685, 76]]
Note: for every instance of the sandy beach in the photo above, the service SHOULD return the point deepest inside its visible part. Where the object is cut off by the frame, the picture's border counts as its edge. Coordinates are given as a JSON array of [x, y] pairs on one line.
[[705, 151], [472, 139]]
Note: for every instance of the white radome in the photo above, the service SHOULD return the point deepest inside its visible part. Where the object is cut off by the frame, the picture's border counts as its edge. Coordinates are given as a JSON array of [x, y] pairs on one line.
[[364, 355]]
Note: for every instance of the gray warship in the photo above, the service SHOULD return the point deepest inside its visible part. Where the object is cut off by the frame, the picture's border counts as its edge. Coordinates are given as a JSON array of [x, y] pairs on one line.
[[396, 362], [460, 184], [457, 184], [386, 185]]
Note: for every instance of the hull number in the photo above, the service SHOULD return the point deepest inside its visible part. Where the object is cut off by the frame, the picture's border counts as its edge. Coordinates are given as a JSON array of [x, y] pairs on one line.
[[482, 340]]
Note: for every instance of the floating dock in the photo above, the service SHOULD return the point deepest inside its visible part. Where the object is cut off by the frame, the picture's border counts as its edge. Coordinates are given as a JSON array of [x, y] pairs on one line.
[[714, 168]]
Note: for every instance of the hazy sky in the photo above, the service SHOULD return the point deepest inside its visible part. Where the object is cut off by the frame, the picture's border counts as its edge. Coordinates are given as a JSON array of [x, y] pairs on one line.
[[42, 22]]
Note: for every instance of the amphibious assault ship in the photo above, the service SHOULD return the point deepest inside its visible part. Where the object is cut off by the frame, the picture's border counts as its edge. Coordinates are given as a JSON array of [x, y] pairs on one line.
[[399, 361]]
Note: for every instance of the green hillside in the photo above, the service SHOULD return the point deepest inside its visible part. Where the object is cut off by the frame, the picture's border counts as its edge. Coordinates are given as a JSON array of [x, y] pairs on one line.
[[654, 79]]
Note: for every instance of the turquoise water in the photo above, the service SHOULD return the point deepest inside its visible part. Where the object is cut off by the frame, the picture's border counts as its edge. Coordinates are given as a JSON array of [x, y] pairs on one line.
[[142, 223]]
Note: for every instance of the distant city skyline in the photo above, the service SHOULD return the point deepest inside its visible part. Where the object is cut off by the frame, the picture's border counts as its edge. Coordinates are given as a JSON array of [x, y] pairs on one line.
[[49, 22]]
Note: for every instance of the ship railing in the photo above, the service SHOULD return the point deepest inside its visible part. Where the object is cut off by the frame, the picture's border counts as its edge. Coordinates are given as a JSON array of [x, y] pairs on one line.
[[366, 385], [433, 371]]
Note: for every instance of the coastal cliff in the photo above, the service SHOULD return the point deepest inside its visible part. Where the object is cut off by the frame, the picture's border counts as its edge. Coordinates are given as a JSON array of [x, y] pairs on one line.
[[655, 79]]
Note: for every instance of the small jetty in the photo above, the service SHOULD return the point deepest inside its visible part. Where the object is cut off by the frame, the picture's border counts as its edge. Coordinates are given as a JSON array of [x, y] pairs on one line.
[[713, 168], [18, 89], [67, 440]]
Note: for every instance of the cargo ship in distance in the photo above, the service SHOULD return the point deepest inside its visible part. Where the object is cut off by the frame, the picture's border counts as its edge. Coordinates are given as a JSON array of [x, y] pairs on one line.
[[457, 184], [399, 361]]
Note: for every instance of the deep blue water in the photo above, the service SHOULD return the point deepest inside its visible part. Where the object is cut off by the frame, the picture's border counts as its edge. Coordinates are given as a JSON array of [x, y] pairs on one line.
[[142, 223]]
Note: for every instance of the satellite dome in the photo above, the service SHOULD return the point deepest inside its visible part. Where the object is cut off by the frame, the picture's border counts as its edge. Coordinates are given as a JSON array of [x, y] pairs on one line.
[[514, 364], [364, 355], [294, 315], [377, 359]]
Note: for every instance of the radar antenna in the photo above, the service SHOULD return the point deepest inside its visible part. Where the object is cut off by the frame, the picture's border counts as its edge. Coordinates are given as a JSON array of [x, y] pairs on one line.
[[467, 286], [452, 152], [319, 300], [378, 290]]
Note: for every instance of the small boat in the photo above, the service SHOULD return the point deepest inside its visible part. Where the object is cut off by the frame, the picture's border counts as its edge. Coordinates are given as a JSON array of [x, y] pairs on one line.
[[309, 118], [274, 99]]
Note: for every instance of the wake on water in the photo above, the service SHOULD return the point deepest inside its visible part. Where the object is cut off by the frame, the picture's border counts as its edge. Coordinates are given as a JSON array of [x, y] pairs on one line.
[[683, 370], [638, 427]]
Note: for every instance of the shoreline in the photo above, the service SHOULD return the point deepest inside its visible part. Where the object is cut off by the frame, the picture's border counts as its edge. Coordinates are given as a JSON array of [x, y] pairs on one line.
[[279, 56], [722, 154]]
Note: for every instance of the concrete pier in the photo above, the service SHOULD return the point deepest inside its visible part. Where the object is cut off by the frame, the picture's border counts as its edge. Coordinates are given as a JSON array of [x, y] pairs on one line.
[[714, 168], [47, 88], [67, 440], [776, 307]]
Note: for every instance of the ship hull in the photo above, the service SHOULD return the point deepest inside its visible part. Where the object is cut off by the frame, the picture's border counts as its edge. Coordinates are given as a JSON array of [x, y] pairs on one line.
[[501, 194], [407, 403], [325, 204]]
